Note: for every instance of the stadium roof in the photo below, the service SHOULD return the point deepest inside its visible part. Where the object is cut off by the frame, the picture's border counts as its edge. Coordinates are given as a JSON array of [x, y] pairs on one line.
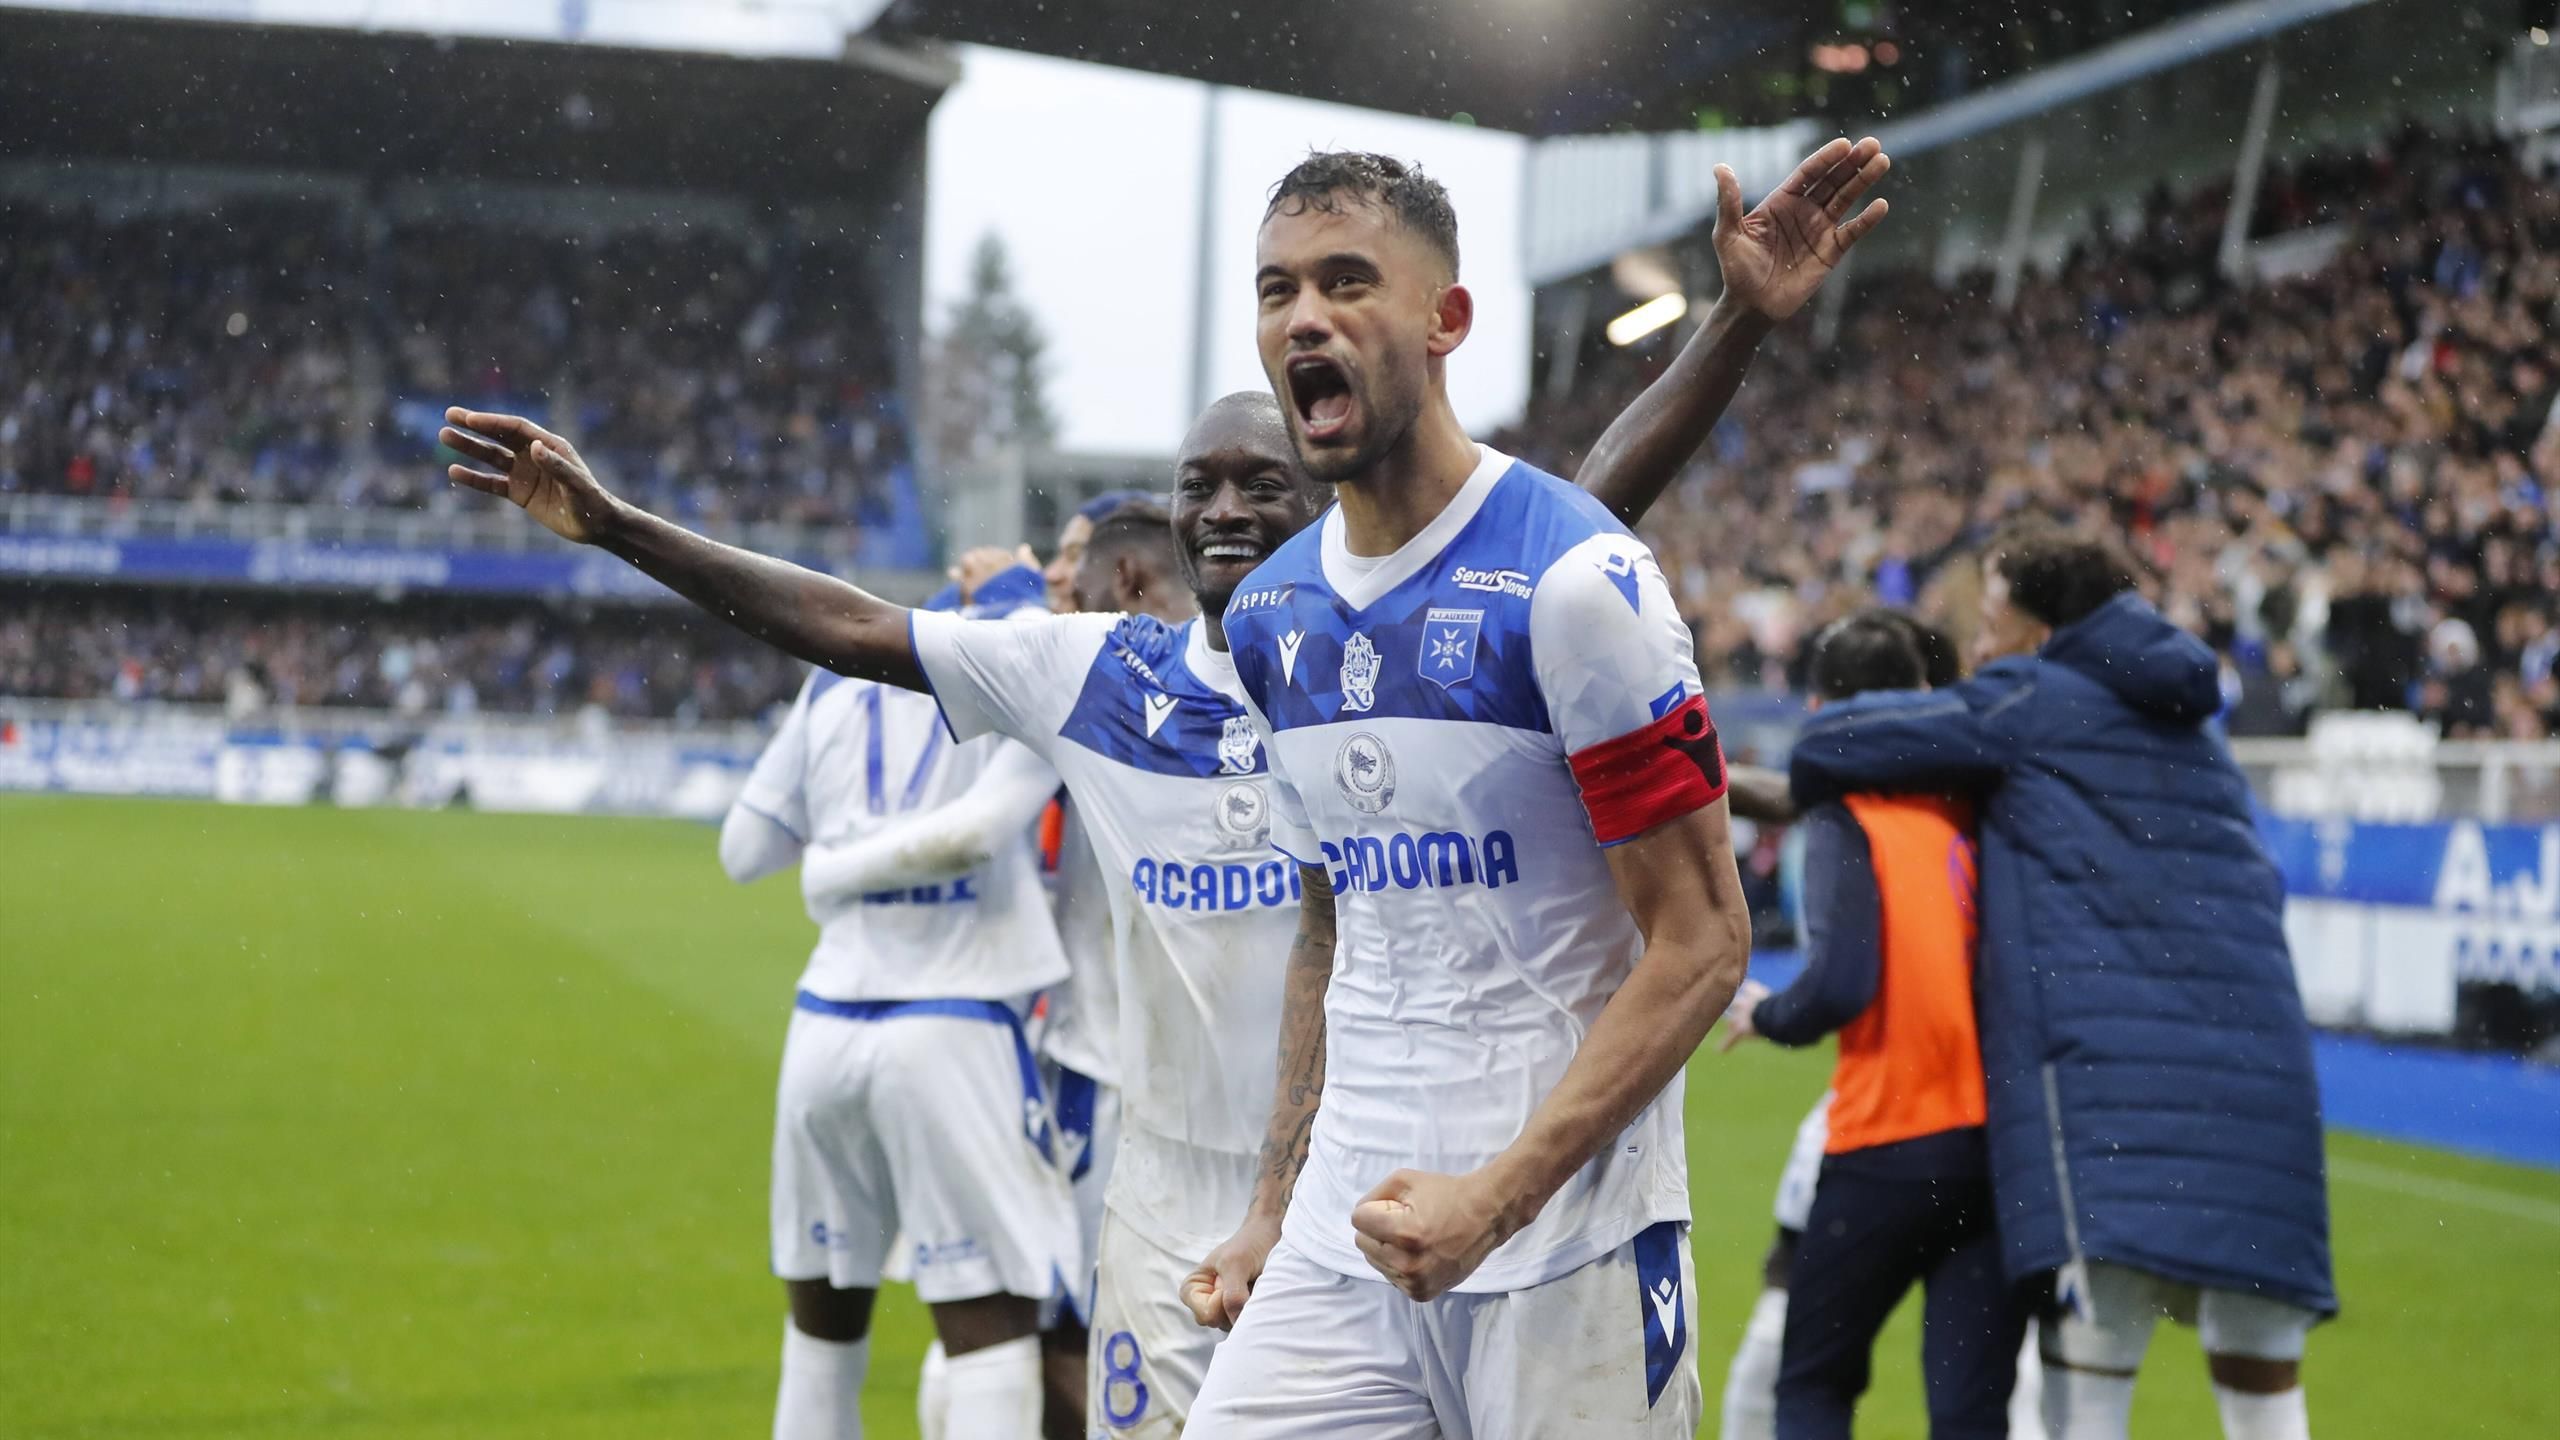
[[390, 103], [1541, 67]]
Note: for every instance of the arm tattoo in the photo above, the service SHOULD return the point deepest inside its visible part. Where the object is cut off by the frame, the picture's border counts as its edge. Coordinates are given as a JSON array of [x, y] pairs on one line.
[[1300, 1091]]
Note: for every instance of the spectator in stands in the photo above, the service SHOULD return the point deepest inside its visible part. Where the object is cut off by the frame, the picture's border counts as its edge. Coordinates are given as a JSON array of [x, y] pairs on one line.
[[743, 375], [2339, 459], [249, 652]]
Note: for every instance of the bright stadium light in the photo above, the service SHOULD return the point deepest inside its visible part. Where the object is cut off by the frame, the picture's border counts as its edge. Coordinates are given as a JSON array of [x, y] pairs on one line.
[[1648, 317]]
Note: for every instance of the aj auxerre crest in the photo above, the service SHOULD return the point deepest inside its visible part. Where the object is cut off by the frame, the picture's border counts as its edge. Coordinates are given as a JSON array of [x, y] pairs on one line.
[[1365, 773], [1359, 673], [1449, 646], [1236, 745]]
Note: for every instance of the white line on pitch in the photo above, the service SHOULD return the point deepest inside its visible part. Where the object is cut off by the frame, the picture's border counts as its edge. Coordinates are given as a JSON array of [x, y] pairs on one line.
[[2428, 1187]]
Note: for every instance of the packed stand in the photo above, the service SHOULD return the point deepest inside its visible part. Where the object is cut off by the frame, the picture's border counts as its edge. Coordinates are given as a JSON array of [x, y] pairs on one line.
[[2337, 479], [252, 653], [300, 352]]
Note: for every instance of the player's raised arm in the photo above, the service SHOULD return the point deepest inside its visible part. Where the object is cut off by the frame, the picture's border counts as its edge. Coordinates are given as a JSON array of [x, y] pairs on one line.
[[817, 617], [1216, 1292], [1773, 259]]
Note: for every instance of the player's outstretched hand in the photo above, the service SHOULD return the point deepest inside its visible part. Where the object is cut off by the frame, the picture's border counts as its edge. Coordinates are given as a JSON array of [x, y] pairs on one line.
[[1738, 1015], [1215, 1293], [532, 467], [1427, 1232], [1775, 257]]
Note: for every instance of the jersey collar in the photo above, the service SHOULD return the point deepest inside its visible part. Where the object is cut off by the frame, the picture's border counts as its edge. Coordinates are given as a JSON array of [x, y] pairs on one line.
[[1360, 591], [1213, 668]]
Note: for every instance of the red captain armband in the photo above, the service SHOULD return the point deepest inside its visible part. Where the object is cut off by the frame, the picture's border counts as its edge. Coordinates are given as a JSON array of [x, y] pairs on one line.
[[1644, 777]]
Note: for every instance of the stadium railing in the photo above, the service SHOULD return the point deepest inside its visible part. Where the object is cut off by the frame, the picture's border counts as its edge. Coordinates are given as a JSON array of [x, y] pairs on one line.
[[2528, 86], [304, 547], [2492, 781], [479, 528], [581, 762]]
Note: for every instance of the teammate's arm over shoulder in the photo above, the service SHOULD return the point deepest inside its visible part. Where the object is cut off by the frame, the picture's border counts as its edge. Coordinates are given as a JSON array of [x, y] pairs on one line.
[[1955, 739], [953, 839]]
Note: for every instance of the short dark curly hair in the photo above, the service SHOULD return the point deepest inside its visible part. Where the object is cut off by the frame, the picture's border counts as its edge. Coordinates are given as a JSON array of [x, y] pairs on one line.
[[2054, 575], [1870, 650], [1419, 203]]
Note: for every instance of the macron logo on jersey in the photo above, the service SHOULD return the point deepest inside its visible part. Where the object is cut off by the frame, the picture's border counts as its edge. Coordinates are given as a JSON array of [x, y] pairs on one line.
[[1289, 644], [1665, 1296], [1159, 709]]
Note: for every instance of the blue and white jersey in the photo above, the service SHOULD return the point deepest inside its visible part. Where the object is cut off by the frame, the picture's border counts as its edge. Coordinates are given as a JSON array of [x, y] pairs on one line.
[[1457, 730], [853, 757], [1147, 726], [1084, 1018]]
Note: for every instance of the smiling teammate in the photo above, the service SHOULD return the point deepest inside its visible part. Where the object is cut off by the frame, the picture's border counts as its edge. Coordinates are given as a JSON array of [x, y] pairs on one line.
[[1146, 722], [1493, 763]]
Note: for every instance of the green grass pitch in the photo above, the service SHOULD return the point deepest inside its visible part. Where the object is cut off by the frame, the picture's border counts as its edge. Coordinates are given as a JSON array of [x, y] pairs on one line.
[[443, 1125]]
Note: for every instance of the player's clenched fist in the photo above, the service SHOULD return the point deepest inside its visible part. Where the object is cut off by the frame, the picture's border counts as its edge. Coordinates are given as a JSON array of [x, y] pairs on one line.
[[530, 466], [1427, 1232], [1215, 1293]]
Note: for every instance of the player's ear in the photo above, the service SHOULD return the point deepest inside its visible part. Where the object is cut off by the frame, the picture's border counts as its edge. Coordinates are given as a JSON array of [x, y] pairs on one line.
[[1453, 314]]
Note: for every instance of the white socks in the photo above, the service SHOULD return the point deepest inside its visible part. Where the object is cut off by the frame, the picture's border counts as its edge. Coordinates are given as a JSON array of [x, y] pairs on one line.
[[933, 1394], [2026, 1398], [821, 1396], [2084, 1405], [1751, 1386], [994, 1393], [2281, 1416]]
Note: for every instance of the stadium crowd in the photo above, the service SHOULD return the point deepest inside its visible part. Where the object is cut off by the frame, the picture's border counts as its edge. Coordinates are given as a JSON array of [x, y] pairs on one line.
[[273, 351], [2338, 478], [250, 653]]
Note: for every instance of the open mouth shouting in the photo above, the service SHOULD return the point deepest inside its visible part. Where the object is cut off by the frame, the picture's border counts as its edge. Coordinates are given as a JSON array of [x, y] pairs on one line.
[[1320, 393]]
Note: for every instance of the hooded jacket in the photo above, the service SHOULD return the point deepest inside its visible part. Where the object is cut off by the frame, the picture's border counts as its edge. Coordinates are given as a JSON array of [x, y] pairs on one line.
[[2149, 1078]]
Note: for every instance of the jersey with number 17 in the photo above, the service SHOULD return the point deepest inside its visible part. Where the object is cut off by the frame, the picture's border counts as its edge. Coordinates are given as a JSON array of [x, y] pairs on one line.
[[854, 757], [1458, 732]]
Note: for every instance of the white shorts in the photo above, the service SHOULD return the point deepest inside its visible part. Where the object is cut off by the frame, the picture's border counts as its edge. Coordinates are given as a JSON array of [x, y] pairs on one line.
[[1597, 1354], [922, 1118], [1148, 1356], [1088, 1116], [1804, 1167], [2103, 1320]]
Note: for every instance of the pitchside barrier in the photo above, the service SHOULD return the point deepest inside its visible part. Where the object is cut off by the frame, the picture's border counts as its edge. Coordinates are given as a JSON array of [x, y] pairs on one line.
[[2422, 876], [574, 764]]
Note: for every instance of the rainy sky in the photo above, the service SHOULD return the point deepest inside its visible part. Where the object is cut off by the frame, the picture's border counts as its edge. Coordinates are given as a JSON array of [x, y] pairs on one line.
[[1092, 177]]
